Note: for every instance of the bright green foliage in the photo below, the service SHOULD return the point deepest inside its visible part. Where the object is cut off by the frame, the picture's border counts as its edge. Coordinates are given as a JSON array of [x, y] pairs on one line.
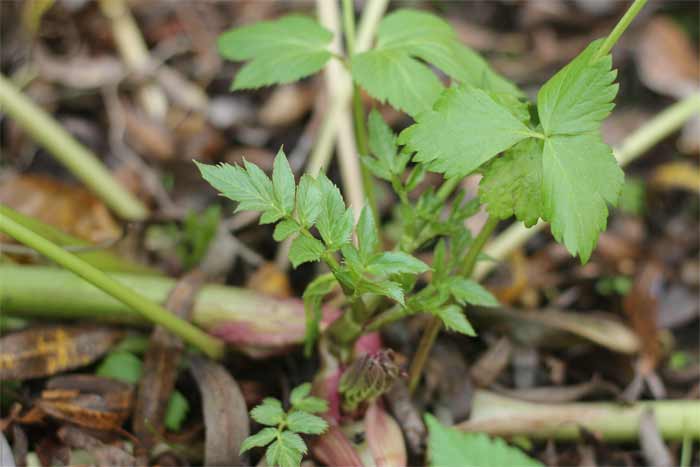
[[280, 51], [465, 129], [305, 249], [633, 197], [466, 291], [448, 447], [127, 367], [334, 221], [567, 176], [393, 71], [313, 297], [197, 233], [512, 184], [285, 448], [452, 317]]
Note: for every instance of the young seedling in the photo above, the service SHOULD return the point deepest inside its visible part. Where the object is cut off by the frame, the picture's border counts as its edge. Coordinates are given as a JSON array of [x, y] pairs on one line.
[[282, 435]]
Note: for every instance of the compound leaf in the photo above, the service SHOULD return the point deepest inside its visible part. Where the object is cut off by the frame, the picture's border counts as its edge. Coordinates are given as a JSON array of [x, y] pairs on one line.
[[465, 129], [283, 182], [285, 229], [270, 412], [279, 51], [305, 249], [259, 439], [313, 296], [453, 318], [283, 454], [308, 200], [396, 262], [302, 422], [466, 291], [334, 222], [367, 237]]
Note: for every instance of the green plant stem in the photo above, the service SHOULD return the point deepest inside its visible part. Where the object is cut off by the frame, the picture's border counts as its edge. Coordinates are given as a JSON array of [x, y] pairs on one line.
[[100, 258], [349, 25], [152, 311], [619, 29], [431, 333], [633, 146], [76, 157], [503, 416]]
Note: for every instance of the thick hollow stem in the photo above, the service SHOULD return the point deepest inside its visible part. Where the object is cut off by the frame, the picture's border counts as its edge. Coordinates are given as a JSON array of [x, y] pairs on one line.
[[152, 311], [619, 28], [431, 333], [502, 416], [76, 157]]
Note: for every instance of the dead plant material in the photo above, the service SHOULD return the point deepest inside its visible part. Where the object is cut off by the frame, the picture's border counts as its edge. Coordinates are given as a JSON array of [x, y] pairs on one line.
[[44, 351]]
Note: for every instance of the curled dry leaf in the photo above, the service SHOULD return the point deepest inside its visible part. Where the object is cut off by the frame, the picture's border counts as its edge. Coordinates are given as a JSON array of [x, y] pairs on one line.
[[225, 413], [87, 401], [70, 208], [408, 416], [105, 455], [286, 105], [45, 351]]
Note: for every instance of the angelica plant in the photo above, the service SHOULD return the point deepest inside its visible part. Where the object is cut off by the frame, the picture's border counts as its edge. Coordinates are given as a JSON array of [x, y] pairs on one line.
[[540, 162]]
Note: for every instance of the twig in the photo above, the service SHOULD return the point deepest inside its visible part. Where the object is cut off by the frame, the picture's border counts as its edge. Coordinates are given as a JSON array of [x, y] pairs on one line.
[[76, 157], [149, 309]]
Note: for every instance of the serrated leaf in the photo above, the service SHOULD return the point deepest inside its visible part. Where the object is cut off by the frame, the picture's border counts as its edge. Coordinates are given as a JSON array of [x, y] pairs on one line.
[[580, 176], [299, 393], [312, 404], [367, 237], [270, 412], [280, 51], [259, 439], [176, 411], [294, 441], [382, 143], [334, 222], [449, 445], [308, 203], [512, 183], [453, 319], [302, 422], [283, 182], [305, 249], [465, 129], [579, 96], [285, 229], [282, 454], [396, 262], [249, 186], [467, 291], [313, 297], [392, 71], [386, 288]]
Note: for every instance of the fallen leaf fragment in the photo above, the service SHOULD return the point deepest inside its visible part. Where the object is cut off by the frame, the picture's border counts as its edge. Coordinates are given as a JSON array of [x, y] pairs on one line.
[[45, 351], [678, 175]]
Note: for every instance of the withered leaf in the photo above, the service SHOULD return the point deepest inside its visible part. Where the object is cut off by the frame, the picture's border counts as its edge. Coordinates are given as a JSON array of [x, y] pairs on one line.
[[45, 351], [225, 412], [88, 401]]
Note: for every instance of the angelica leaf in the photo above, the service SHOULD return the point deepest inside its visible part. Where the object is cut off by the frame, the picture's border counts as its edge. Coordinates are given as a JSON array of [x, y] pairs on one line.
[[308, 203], [279, 51], [334, 221], [580, 175], [294, 441], [453, 319], [385, 287], [465, 129], [282, 453], [259, 439], [302, 422], [283, 183], [446, 444], [270, 412], [396, 262], [367, 237], [285, 229], [579, 96], [466, 291], [305, 249], [512, 183]]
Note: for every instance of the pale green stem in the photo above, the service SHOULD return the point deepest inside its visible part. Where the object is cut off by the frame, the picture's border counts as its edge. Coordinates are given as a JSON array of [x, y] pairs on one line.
[[76, 157], [619, 29], [152, 311]]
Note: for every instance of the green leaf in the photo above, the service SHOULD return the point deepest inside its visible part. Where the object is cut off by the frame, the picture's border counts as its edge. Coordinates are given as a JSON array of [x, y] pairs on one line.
[[386, 288], [448, 446], [367, 237], [396, 262], [467, 291], [176, 412], [512, 184], [312, 404], [393, 72], [282, 454], [299, 393], [382, 145], [465, 129], [580, 176], [308, 200], [579, 96], [302, 422], [334, 222], [270, 412], [249, 186], [285, 229], [313, 296], [305, 249], [280, 51], [122, 366], [259, 439], [198, 232], [283, 182], [453, 318], [294, 441]]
